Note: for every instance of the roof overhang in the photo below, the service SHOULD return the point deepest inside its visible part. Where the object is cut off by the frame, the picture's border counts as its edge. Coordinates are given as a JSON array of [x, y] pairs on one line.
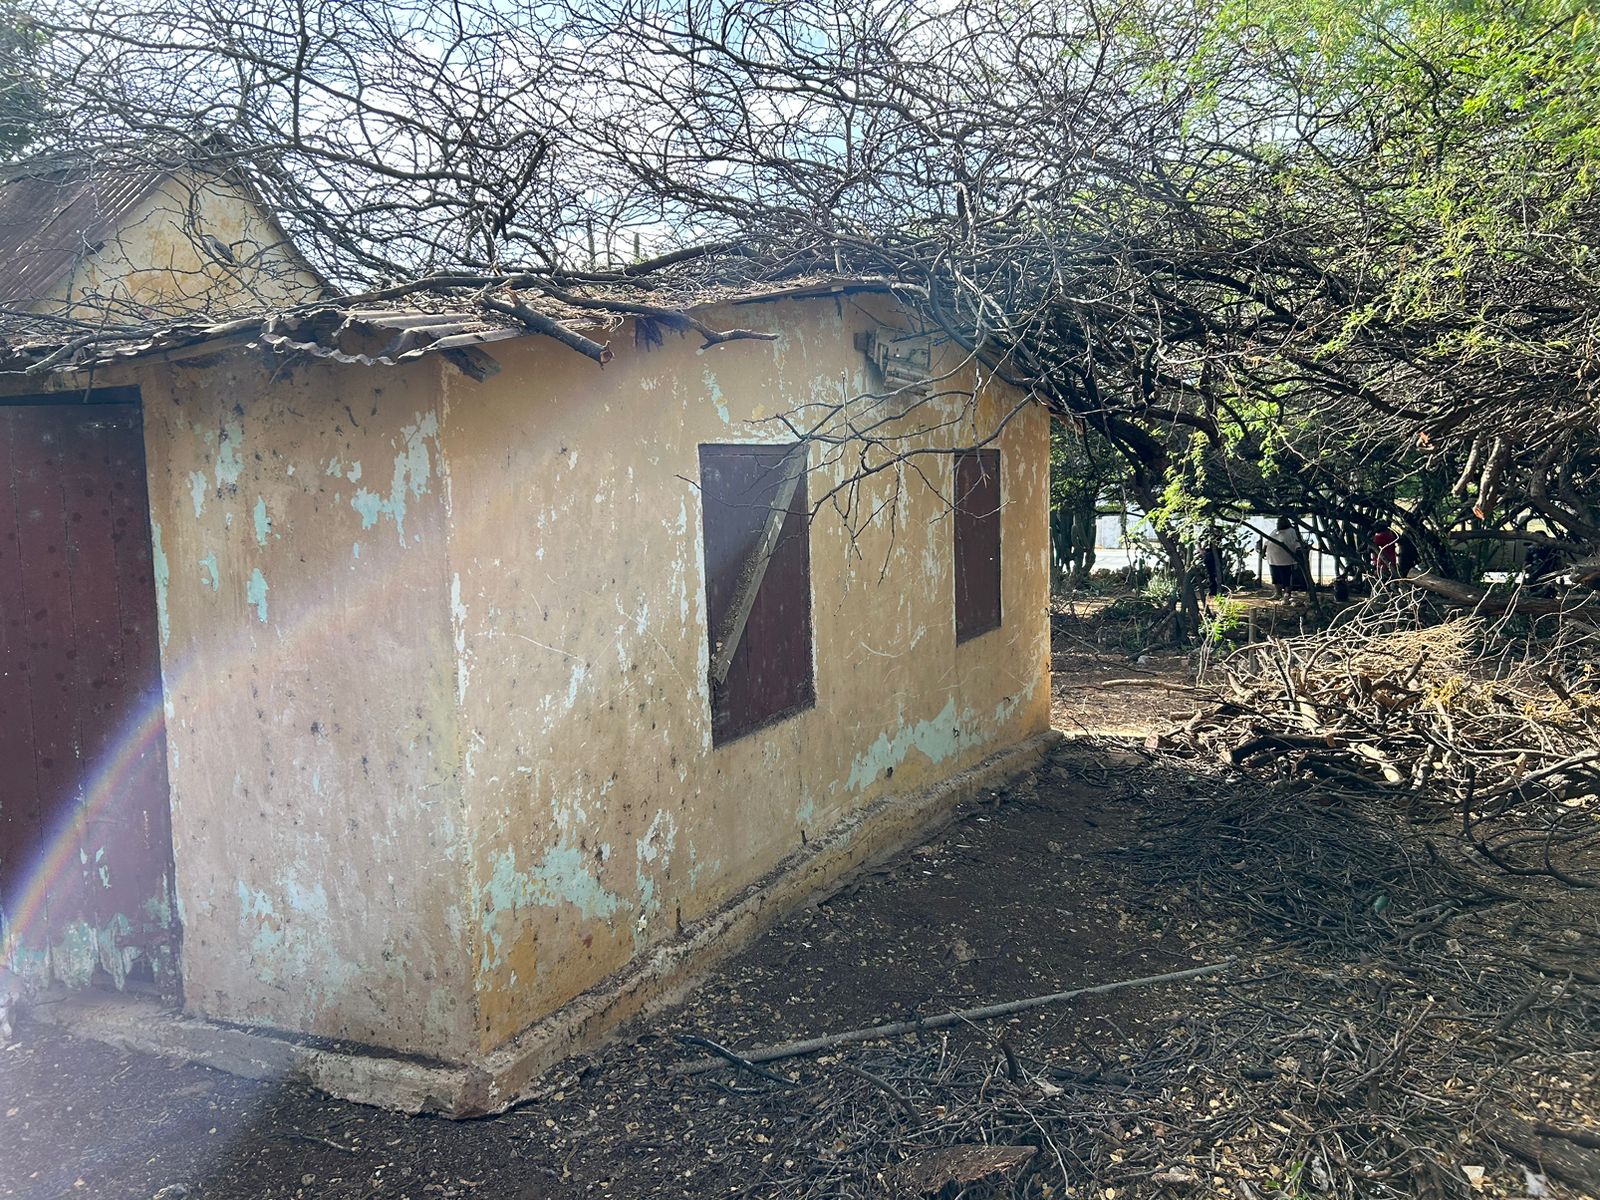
[[347, 332]]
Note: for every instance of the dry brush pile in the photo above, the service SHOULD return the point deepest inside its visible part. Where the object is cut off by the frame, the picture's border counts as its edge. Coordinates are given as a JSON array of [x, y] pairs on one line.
[[1392, 828], [1496, 725]]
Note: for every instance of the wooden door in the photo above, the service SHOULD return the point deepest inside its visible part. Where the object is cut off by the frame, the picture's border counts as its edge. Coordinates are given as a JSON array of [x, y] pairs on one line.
[[85, 825]]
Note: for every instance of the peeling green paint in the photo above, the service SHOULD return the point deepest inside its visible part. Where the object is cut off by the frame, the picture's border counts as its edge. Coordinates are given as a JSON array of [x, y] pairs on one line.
[[700, 868], [370, 505], [412, 469], [262, 521], [29, 965], [74, 957], [229, 465], [266, 942], [714, 390], [937, 738], [580, 672], [252, 901], [656, 844], [309, 901], [291, 947], [1010, 704], [458, 619], [115, 956], [197, 490], [563, 876], [256, 594], [211, 576], [81, 948], [159, 910], [163, 577]]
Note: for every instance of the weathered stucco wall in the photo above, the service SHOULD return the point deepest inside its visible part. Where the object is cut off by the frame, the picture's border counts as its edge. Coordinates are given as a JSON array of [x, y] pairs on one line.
[[157, 260], [602, 816], [435, 661], [299, 516]]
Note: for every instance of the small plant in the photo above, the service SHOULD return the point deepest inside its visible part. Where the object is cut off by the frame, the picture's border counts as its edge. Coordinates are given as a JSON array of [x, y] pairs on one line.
[[1135, 607], [1161, 589], [1293, 1186], [1224, 622]]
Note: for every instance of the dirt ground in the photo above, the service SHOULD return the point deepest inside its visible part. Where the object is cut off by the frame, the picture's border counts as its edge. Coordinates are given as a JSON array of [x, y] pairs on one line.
[[1354, 1048]]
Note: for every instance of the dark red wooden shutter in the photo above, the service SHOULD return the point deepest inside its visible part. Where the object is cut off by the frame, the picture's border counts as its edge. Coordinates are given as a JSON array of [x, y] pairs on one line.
[[771, 674], [84, 807], [977, 542]]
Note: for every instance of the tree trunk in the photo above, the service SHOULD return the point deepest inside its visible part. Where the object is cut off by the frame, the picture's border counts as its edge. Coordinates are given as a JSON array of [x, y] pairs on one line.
[[1072, 530]]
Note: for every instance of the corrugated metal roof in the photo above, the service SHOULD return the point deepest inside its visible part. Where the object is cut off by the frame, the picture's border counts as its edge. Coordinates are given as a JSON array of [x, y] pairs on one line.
[[51, 216], [380, 337]]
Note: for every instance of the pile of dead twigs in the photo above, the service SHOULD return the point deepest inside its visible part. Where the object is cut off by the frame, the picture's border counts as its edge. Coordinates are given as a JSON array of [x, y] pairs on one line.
[[1420, 1001], [1393, 1022], [1497, 724]]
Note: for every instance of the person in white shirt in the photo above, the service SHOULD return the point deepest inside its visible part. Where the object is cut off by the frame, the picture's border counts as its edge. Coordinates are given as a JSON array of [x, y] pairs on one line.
[[1283, 549]]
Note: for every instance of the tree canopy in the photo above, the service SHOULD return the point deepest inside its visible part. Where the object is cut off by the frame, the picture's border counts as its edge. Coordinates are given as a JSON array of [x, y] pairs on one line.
[[22, 96], [1278, 255]]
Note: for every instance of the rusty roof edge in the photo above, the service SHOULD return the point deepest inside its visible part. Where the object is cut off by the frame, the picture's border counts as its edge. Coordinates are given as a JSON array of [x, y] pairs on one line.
[[142, 184], [150, 173], [836, 286], [284, 344]]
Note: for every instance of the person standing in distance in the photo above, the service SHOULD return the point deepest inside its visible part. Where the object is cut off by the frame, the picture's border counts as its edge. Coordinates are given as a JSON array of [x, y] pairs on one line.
[[1282, 548]]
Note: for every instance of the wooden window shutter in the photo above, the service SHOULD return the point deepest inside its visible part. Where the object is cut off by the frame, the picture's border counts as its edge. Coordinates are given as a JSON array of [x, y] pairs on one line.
[[977, 542], [758, 585]]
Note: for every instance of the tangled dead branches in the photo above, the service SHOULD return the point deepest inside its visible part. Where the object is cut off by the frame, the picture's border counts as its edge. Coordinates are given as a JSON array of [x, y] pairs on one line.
[[1499, 728], [1376, 1037]]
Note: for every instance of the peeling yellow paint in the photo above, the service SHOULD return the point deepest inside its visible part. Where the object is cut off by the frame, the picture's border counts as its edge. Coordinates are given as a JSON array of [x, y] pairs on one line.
[[158, 261], [472, 759], [590, 649]]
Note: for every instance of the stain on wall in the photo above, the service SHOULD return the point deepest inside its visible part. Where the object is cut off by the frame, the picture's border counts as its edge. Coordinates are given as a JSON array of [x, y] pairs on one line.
[[158, 260], [435, 658]]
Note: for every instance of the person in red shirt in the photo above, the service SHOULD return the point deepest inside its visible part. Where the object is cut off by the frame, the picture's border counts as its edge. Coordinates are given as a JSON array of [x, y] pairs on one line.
[[1386, 554]]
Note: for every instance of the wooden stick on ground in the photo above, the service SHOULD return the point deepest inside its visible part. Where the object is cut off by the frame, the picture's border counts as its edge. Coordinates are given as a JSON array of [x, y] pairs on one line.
[[988, 1012], [1164, 684]]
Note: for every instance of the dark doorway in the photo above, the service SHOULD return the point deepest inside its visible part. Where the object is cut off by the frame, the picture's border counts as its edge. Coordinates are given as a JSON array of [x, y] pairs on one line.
[[85, 824]]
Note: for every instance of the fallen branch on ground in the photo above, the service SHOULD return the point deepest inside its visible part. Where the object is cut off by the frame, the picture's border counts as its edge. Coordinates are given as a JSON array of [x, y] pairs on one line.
[[895, 1028], [1491, 603], [1164, 684]]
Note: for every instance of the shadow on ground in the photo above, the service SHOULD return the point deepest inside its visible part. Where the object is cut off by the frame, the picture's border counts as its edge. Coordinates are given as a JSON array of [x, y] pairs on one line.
[[1392, 1027]]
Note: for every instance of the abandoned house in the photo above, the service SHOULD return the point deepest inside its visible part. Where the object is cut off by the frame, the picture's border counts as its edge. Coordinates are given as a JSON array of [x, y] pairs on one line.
[[407, 679]]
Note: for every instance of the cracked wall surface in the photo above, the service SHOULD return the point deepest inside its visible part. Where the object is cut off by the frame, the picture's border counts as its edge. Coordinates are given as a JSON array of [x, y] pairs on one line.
[[603, 819], [158, 261]]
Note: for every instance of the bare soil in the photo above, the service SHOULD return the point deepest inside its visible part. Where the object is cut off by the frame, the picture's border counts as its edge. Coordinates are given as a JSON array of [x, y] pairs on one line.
[[1379, 1051]]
